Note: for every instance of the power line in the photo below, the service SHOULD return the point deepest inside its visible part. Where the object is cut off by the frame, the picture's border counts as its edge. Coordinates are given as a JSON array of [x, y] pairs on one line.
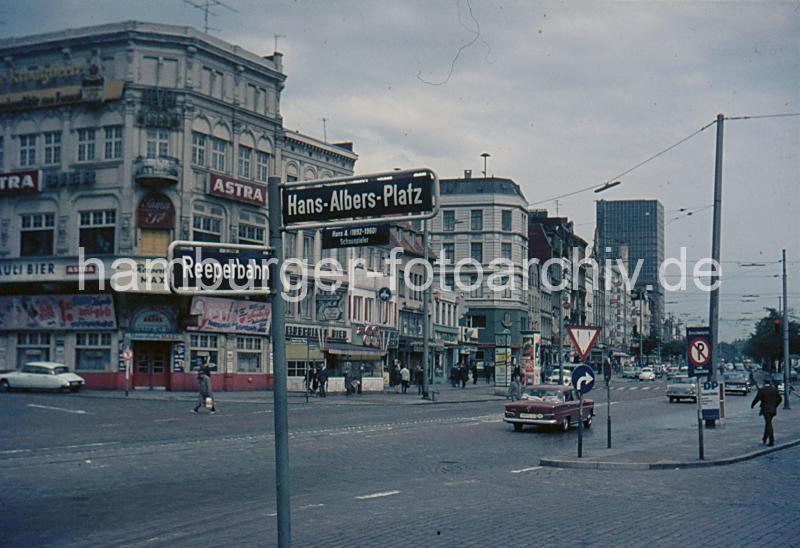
[[637, 166], [758, 116]]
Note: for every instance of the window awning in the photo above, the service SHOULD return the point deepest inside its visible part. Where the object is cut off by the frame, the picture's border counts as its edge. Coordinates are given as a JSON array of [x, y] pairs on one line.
[[343, 349]]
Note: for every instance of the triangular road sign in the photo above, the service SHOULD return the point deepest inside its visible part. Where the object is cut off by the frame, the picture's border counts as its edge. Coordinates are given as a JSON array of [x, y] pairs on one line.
[[583, 337]]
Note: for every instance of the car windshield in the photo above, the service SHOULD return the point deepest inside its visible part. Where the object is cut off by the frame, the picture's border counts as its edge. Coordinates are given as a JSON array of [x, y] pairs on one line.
[[736, 378], [60, 370], [542, 394], [647, 370], [682, 380]]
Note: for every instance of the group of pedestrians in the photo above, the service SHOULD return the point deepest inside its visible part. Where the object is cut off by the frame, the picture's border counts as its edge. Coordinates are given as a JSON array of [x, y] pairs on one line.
[[317, 380], [400, 378]]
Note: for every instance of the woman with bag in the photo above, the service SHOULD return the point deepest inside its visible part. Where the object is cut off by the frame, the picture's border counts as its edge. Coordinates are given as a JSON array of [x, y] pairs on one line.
[[206, 395]]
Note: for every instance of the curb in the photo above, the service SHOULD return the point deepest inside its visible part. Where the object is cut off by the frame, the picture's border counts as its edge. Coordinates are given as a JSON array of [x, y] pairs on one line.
[[669, 465]]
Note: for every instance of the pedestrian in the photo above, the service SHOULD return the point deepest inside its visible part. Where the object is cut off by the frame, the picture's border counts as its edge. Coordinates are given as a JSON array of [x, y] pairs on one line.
[[205, 390], [405, 377], [418, 379], [314, 380], [322, 380], [454, 372], [770, 399], [394, 378], [310, 382], [464, 375], [474, 368], [348, 381], [514, 389]]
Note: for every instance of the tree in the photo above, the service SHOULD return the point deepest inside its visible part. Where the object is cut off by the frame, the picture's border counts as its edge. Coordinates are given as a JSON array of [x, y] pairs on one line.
[[766, 342]]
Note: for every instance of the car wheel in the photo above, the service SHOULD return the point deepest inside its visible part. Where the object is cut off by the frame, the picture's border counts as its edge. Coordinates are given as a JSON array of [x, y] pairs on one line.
[[588, 422], [74, 389], [518, 427], [671, 399], [565, 424], [4, 386]]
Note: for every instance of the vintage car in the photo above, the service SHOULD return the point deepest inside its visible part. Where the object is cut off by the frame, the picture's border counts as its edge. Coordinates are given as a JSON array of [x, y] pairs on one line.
[[681, 387], [41, 376], [566, 380], [647, 374], [737, 383], [548, 405]]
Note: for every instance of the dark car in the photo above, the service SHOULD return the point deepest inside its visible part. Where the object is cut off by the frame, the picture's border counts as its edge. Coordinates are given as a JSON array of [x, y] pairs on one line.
[[737, 383], [548, 405]]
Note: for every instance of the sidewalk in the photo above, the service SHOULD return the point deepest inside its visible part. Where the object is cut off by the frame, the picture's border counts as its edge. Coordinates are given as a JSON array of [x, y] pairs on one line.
[[443, 394], [674, 444]]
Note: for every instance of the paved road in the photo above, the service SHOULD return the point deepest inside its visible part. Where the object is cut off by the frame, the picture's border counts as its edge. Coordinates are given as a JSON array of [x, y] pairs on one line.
[[100, 472]]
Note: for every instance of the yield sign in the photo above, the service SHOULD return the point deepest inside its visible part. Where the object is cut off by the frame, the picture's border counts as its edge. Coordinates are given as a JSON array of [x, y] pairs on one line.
[[583, 337]]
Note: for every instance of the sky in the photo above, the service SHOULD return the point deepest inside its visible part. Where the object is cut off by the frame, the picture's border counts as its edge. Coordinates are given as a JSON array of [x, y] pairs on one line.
[[563, 96]]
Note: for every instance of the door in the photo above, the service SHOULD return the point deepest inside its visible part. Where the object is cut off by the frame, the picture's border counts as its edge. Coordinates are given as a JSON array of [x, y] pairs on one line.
[[151, 364]]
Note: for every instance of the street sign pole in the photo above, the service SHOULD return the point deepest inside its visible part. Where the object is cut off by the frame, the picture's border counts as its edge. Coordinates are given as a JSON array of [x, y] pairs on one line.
[[308, 365], [279, 371], [583, 382], [426, 296], [608, 413], [580, 425], [787, 359], [699, 418]]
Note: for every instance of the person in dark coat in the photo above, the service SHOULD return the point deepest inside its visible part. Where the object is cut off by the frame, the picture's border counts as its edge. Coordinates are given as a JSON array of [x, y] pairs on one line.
[[464, 372], [474, 368], [770, 399], [348, 381], [418, 379], [322, 379], [205, 389]]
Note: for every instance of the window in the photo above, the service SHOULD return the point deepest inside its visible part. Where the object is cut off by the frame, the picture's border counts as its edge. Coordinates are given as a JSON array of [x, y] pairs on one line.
[[157, 143], [36, 234], [304, 305], [202, 346], [113, 144], [262, 166], [154, 242], [356, 308], [218, 150], [298, 368], [449, 221], [478, 321], [476, 219], [289, 244], [505, 250], [245, 159], [32, 347], [27, 150], [52, 147], [476, 251], [506, 221], [251, 234], [206, 228], [86, 144], [248, 354], [308, 248], [198, 149], [448, 252], [92, 351], [96, 231]]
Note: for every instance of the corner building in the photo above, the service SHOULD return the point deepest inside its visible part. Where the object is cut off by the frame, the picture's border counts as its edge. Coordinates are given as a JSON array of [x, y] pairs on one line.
[[119, 139]]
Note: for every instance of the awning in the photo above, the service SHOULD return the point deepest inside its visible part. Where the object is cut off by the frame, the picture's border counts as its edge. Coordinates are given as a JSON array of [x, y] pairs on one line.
[[343, 349]]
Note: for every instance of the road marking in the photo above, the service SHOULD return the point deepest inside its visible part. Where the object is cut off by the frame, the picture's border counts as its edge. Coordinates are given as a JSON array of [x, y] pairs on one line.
[[65, 410], [530, 469], [378, 495], [81, 446], [166, 420], [462, 482]]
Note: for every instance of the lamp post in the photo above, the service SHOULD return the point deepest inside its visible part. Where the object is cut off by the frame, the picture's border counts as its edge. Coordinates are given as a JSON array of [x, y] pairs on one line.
[[485, 156]]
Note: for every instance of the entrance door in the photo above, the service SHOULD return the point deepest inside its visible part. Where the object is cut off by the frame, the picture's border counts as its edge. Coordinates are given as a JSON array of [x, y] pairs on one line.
[[151, 364]]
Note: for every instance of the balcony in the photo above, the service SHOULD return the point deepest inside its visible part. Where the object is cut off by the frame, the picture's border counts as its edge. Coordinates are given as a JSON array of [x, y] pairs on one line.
[[157, 172]]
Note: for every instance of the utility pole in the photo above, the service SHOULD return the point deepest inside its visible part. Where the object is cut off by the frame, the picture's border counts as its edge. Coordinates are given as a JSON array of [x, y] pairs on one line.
[[426, 297], [713, 308], [787, 360], [324, 130], [641, 326], [281, 396], [561, 319]]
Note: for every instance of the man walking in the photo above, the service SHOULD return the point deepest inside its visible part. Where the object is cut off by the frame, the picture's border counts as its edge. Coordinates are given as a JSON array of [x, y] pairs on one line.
[[405, 377], [770, 399], [205, 390], [322, 380]]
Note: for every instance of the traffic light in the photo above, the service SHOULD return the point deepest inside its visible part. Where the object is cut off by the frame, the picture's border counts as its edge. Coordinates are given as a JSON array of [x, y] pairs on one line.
[[777, 327]]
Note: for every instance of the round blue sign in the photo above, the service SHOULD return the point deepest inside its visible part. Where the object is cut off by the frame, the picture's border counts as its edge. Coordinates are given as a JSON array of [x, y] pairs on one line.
[[385, 294], [583, 379]]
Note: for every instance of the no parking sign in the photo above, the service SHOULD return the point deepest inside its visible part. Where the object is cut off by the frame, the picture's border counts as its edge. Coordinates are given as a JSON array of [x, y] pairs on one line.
[[699, 351]]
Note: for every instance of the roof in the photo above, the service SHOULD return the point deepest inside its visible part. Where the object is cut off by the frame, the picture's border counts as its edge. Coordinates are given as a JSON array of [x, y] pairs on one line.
[[51, 365], [481, 185]]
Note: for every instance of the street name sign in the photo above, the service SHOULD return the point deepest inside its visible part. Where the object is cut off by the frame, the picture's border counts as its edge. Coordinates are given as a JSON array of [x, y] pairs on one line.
[[699, 351], [355, 236], [392, 196], [213, 268], [583, 379], [583, 337]]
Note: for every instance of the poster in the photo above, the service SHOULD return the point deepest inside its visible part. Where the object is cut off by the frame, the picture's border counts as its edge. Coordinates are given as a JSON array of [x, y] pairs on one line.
[[230, 316], [57, 312]]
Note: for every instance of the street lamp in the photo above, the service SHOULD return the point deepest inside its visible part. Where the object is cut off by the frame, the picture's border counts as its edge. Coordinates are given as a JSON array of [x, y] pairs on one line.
[[485, 156]]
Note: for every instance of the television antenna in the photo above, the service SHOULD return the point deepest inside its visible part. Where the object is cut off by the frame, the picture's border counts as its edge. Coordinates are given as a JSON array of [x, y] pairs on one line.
[[206, 7]]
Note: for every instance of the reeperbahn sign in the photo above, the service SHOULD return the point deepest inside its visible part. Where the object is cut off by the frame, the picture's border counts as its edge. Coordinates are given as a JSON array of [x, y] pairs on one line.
[[353, 236], [217, 268], [391, 196]]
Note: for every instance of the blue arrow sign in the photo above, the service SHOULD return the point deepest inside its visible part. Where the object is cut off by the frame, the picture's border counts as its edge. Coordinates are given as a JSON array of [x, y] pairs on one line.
[[583, 379]]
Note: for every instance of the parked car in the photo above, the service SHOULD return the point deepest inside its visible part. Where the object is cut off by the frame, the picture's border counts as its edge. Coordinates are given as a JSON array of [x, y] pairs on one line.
[[681, 387], [548, 405], [647, 374], [737, 383], [41, 376], [629, 372]]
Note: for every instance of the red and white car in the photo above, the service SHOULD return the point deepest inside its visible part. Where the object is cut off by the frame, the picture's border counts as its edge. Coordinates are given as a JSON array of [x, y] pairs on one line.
[[548, 405]]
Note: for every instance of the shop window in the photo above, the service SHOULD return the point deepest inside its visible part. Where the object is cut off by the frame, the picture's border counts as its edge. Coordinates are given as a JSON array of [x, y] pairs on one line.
[[96, 231], [27, 150], [201, 346], [52, 147], [92, 351], [86, 144], [36, 234], [154, 243], [206, 228], [198, 149], [113, 142], [157, 143], [245, 160], [31, 347], [248, 355]]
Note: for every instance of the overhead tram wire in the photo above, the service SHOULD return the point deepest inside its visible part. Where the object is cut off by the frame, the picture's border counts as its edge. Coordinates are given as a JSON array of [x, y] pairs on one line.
[[760, 116], [637, 166]]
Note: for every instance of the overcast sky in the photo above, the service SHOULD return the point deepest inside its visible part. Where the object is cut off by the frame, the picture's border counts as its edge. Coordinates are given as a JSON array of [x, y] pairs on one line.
[[562, 96]]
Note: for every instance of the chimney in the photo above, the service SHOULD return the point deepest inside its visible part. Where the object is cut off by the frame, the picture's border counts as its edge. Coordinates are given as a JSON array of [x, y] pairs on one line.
[[467, 174]]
